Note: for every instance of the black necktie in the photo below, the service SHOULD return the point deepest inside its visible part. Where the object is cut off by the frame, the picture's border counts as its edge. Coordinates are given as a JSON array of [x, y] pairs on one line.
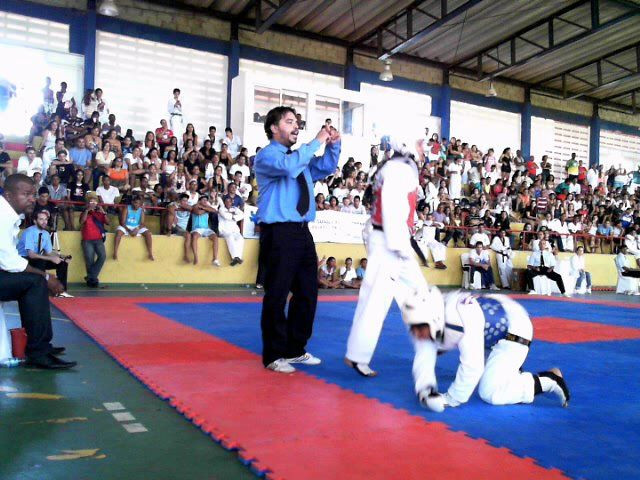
[[40, 243], [303, 201], [542, 259]]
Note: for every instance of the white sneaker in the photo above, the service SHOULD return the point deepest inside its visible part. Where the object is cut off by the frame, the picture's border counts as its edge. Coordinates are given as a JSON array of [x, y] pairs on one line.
[[565, 294], [64, 295], [216, 263], [533, 292], [306, 359], [588, 290], [494, 287], [281, 366]]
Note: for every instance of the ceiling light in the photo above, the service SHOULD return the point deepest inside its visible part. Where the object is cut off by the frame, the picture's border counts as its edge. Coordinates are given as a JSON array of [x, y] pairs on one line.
[[108, 8], [386, 75], [492, 91]]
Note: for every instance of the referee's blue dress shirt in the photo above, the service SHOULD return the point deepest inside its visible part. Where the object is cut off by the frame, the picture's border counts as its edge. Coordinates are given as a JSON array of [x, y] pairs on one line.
[[276, 172]]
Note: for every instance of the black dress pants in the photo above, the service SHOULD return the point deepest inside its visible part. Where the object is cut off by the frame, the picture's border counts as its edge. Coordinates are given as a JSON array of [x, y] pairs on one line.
[[556, 277], [60, 268], [32, 294], [290, 265], [632, 273]]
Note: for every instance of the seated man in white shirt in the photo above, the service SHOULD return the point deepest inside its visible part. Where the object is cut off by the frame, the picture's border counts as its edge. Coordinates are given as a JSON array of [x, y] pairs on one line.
[[346, 205], [327, 275], [356, 208], [542, 262], [632, 241], [240, 166], [348, 276], [50, 155], [229, 216], [480, 236], [504, 254], [622, 264], [425, 239], [232, 141], [28, 164], [578, 269], [480, 261], [244, 188], [21, 282], [560, 227], [107, 193]]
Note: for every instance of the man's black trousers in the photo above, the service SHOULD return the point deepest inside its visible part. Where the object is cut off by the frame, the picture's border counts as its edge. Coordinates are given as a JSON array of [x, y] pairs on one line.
[[291, 265]]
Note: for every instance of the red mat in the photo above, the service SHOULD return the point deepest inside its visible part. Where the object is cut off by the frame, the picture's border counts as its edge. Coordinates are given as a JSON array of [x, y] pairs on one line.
[[562, 330], [289, 426]]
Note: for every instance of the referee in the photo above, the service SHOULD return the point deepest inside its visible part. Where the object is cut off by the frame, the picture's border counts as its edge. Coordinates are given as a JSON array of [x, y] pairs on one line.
[[285, 206]]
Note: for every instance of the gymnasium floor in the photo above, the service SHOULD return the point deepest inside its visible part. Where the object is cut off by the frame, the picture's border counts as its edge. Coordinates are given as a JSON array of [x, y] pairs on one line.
[[197, 352]]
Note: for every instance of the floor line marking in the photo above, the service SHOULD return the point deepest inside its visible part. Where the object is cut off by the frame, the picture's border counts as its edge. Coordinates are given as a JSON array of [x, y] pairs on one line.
[[113, 406], [134, 427], [123, 416]]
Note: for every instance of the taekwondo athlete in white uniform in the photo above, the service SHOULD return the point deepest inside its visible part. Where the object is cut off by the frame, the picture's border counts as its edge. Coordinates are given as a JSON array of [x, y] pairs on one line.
[[392, 269], [489, 326]]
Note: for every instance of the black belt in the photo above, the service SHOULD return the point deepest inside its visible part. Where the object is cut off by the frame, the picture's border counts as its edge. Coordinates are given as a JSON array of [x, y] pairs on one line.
[[378, 227], [177, 114], [515, 338]]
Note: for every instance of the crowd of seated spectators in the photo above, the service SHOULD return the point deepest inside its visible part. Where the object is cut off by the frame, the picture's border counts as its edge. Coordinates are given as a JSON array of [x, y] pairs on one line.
[[462, 189]]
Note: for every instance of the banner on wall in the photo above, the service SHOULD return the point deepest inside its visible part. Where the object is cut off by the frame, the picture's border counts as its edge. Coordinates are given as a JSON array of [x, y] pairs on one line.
[[329, 226]]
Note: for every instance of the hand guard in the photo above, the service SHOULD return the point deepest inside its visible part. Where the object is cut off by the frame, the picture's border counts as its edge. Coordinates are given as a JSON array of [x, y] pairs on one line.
[[434, 401]]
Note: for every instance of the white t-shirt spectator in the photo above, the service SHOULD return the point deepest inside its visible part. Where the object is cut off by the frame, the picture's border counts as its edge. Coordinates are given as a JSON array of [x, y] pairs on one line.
[[357, 211], [240, 168], [479, 237], [482, 257], [356, 193], [29, 168], [234, 143], [108, 196], [321, 187], [340, 193], [350, 275]]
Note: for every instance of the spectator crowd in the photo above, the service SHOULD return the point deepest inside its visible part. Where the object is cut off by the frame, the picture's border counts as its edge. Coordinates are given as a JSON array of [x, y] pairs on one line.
[[82, 159]]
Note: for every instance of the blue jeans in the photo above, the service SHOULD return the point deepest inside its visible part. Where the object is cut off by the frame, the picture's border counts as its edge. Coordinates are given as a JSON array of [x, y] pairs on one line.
[[581, 277]]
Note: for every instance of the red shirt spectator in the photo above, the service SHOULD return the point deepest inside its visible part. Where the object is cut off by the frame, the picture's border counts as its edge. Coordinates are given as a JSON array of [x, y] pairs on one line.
[[532, 167], [163, 133], [90, 230]]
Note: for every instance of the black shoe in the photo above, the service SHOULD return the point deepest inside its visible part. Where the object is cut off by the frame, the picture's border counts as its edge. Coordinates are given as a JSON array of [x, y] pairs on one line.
[[49, 362], [234, 262], [57, 350]]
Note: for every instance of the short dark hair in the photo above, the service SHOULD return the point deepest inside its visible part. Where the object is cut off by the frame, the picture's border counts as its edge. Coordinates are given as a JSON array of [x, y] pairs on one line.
[[12, 182], [479, 243], [330, 258], [211, 127], [176, 90], [183, 196], [228, 129], [273, 118], [43, 190], [29, 149]]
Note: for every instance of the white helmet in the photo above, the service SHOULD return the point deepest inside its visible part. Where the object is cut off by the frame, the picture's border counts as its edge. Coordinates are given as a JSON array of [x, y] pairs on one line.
[[425, 307]]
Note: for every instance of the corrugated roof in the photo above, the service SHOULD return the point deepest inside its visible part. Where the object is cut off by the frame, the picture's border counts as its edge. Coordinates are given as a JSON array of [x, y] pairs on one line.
[[487, 23]]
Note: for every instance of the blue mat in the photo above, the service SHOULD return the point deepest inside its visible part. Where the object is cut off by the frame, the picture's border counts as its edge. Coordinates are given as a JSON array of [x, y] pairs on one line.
[[598, 436]]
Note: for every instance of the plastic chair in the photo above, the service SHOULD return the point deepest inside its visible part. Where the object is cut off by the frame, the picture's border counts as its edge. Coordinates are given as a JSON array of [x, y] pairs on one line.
[[466, 269]]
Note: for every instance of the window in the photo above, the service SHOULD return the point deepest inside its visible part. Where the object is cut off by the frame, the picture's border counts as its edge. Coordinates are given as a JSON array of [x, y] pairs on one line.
[[328, 108], [485, 127], [273, 74], [619, 150], [396, 112], [265, 99], [559, 140], [33, 32], [138, 77]]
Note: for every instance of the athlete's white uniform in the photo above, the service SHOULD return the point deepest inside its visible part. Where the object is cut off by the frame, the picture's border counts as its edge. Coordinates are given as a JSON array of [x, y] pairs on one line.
[[392, 270], [504, 254], [426, 240], [477, 325]]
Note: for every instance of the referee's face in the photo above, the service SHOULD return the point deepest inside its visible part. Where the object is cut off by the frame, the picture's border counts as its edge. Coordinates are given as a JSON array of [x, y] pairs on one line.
[[287, 130]]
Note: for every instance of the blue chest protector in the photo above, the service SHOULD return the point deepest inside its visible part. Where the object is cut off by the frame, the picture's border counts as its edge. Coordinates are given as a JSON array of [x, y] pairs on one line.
[[496, 323]]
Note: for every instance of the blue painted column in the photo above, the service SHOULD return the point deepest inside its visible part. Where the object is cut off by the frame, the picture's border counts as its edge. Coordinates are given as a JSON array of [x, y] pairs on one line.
[[233, 67], [525, 125], [594, 138], [82, 41], [351, 77], [444, 108]]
